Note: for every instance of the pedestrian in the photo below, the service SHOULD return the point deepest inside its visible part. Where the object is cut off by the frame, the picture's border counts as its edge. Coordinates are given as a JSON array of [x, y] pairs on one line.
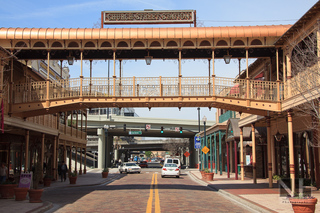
[[3, 173], [64, 170]]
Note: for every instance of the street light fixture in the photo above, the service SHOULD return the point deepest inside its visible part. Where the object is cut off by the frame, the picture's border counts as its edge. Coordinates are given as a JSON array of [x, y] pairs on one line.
[[227, 58], [70, 59], [148, 59]]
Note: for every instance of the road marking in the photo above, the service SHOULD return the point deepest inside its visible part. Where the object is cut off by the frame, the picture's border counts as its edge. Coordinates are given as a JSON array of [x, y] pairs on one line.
[[154, 184], [157, 200]]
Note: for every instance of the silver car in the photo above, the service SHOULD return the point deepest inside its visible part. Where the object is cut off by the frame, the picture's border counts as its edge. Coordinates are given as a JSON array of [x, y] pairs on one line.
[[129, 168]]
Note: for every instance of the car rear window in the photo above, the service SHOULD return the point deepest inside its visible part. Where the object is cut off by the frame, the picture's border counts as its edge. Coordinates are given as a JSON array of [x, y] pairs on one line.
[[130, 164], [169, 161]]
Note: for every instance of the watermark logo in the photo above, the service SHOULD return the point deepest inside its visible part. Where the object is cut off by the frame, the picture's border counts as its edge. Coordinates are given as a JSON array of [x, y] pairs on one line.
[[302, 188]]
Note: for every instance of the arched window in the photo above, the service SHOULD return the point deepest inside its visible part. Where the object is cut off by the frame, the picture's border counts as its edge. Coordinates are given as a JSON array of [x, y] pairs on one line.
[[256, 42], [155, 44], [89, 44], [21, 44], [238, 43], [106, 44], [172, 44], [56, 44], [73, 44], [39, 44], [138, 44], [205, 43], [122, 44], [222, 43], [188, 44]]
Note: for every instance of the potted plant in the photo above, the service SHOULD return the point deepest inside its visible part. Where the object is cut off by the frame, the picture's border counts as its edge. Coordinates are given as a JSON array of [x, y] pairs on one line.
[[105, 172], [47, 180], [303, 203], [73, 177], [36, 193], [7, 189], [202, 173], [208, 175]]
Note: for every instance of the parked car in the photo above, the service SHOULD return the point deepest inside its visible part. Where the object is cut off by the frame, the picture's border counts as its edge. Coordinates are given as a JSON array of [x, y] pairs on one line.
[[170, 169], [173, 160], [129, 168], [143, 164]]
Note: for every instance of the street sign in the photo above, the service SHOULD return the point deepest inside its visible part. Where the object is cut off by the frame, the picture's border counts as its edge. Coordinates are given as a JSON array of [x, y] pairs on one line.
[[205, 150], [148, 126], [197, 142], [135, 132], [176, 129], [187, 154]]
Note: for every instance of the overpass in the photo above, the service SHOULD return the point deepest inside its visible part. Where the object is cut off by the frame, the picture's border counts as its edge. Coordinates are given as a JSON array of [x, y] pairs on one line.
[[101, 130]]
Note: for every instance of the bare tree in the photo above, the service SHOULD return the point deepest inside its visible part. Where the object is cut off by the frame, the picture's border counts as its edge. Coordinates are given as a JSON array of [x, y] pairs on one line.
[[305, 84], [176, 146]]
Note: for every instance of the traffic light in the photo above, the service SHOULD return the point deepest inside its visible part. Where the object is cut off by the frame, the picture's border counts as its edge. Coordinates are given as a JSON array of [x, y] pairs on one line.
[[180, 129], [161, 130], [124, 127]]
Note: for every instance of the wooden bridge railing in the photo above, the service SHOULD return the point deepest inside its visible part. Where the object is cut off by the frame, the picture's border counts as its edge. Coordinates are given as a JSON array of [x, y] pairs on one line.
[[147, 87]]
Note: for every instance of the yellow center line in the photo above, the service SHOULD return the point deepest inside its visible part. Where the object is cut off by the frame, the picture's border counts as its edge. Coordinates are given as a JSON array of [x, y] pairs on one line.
[[157, 200], [154, 184], [149, 205]]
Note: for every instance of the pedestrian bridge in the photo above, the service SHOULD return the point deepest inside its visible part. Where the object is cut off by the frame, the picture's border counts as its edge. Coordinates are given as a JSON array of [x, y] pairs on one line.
[[243, 95]]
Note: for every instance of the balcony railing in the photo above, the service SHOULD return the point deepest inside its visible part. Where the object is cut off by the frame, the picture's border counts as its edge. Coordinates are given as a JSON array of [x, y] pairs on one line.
[[147, 87]]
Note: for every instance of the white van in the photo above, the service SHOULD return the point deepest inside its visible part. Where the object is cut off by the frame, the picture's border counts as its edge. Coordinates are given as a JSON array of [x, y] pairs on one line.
[[173, 160]]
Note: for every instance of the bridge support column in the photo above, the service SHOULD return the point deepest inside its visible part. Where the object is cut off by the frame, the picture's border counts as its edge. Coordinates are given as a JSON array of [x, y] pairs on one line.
[[193, 154], [101, 148], [108, 156]]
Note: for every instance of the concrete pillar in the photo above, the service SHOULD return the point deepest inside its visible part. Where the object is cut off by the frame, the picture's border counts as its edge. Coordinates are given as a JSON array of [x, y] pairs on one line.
[[80, 170], [108, 155], [101, 148], [193, 154]]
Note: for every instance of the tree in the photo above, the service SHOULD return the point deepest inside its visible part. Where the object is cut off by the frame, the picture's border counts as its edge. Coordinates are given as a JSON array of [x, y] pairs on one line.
[[148, 154], [305, 84], [176, 146]]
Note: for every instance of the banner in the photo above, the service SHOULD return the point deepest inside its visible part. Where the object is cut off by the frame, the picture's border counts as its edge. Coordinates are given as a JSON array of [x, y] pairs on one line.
[[25, 180]]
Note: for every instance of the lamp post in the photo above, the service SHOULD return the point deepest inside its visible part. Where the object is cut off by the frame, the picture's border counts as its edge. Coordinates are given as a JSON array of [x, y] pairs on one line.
[[204, 119], [199, 150]]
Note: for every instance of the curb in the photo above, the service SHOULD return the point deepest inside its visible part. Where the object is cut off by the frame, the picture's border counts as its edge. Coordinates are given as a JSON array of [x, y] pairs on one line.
[[48, 205], [45, 207], [93, 184], [230, 196]]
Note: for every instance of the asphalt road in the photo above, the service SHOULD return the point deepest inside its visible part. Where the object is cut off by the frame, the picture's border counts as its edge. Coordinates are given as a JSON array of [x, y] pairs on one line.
[[145, 192]]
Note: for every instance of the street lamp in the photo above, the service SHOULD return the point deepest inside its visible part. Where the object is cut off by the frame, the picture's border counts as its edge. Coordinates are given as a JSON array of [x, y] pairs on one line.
[[227, 58], [148, 59], [70, 59], [204, 119]]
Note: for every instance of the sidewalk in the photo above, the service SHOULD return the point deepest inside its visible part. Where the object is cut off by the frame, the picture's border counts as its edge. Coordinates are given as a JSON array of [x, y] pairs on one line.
[[257, 196], [93, 177]]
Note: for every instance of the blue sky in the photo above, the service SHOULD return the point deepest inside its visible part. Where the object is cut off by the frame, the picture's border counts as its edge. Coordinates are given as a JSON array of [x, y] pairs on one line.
[[85, 14]]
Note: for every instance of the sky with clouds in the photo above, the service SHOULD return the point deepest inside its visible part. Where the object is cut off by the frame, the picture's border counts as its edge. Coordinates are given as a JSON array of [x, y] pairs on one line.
[[86, 14]]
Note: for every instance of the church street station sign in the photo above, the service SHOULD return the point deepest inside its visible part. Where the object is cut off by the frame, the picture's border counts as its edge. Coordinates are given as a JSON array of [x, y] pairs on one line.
[[148, 17]]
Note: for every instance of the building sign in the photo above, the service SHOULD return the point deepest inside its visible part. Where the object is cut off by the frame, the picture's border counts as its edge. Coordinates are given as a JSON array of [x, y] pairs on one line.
[[148, 17]]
